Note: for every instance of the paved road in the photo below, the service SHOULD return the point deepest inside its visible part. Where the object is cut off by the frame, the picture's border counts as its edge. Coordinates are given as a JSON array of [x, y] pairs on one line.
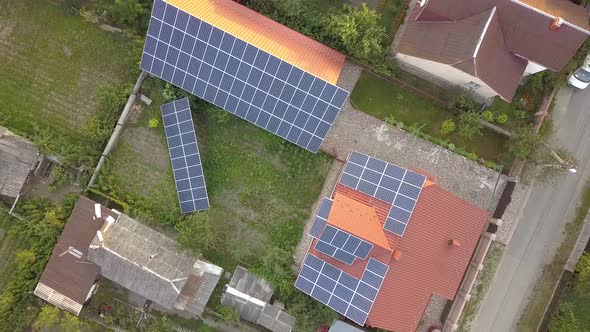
[[541, 222]]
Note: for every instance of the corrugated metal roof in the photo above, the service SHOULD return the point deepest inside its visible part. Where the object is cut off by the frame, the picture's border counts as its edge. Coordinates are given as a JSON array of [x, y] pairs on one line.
[[268, 35], [151, 265], [17, 158]]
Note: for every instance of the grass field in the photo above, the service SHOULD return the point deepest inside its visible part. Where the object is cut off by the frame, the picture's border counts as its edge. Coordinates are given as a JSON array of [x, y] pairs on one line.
[[382, 99], [52, 64], [9, 245], [260, 187]]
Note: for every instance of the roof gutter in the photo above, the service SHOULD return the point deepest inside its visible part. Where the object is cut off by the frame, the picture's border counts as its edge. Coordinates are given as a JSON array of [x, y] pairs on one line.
[[571, 25]]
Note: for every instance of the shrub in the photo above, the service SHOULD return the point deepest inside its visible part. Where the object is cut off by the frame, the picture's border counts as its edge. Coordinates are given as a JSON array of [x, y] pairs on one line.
[[464, 103], [229, 314], [390, 120], [170, 92], [471, 156], [470, 125], [502, 118], [129, 14], [153, 123], [448, 126], [488, 116], [451, 146]]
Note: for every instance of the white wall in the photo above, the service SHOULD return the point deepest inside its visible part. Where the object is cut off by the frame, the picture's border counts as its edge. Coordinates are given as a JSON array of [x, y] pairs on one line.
[[533, 68], [448, 73]]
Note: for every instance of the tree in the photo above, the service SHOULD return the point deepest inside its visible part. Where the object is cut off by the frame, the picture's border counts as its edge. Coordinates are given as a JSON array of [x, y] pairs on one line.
[[359, 31], [71, 323], [524, 142], [48, 318], [276, 268], [565, 320], [195, 232], [129, 13], [470, 124]]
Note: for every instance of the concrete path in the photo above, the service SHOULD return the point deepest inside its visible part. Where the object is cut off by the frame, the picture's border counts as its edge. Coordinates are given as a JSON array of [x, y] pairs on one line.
[[542, 220]]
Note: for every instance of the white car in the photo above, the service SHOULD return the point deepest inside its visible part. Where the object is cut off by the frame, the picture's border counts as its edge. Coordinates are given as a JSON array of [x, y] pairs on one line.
[[580, 79]]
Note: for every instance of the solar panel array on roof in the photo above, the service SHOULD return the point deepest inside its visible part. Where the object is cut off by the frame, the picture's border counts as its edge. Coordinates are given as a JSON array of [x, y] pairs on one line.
[[390, 183], [342, 245], [184, 154], [339, 290], [240, 78], [321, 217]]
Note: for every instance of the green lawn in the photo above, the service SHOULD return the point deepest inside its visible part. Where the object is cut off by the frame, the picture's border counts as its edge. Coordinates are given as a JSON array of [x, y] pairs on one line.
[[52, 64], [383, 99], [260, 187]]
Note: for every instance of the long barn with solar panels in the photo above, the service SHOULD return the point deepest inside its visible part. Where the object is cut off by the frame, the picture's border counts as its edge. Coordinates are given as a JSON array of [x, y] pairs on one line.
[[248, 65], [385, 242]]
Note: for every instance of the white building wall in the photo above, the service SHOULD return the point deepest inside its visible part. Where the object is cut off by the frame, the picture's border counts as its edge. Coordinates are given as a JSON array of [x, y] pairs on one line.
[[533, 68], [450, 74]]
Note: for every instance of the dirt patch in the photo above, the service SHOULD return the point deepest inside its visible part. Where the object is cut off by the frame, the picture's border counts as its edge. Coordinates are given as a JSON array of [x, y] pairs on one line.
[[148, 144]]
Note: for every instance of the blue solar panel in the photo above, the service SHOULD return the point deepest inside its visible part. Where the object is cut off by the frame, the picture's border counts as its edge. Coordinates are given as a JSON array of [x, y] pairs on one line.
[[184, 156], [197, 57], [387, 182], [349, 244], [321, 218], [339, 290]]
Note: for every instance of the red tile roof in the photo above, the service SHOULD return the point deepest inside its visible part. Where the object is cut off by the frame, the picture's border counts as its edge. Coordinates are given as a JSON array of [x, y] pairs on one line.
[[428, 264], [268, 35]]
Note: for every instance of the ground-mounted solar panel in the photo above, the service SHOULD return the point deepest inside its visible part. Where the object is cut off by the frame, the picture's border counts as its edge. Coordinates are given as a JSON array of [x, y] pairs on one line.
[[392, 184], [184, 155], [347, 295], [240, 78], [321, 217]]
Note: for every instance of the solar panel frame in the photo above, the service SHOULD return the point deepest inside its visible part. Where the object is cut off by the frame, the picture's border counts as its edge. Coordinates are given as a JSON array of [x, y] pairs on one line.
[[184, 156], [215, 49], [387, 182], [347, 295]]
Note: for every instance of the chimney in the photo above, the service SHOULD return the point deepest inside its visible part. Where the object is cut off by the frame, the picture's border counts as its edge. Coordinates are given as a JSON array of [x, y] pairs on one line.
[[557, 22], [397, 255], [454, 243], [422, 2]]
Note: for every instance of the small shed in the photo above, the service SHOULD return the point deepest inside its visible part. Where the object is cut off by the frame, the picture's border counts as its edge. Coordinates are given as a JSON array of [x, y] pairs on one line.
[[151, 265], [18, 158], [251, 296]]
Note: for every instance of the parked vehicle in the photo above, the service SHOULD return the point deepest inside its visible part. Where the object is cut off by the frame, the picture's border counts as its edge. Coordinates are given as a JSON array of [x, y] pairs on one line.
[[580, 79]]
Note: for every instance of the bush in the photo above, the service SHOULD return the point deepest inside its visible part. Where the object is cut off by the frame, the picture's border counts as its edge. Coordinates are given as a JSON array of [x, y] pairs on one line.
[[229, 314], [448, 126], [464, 103], [129, 14], [488, 116], [153, 123], [502, 118], [470, 125]]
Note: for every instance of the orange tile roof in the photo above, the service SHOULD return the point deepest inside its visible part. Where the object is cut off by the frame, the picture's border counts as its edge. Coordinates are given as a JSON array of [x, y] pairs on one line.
[[357, 218], [428, 265], [568, 11], [268, 35]]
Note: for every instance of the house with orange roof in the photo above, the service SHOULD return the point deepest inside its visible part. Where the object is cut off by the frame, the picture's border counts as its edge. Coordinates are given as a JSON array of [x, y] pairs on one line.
[[386, 241]]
